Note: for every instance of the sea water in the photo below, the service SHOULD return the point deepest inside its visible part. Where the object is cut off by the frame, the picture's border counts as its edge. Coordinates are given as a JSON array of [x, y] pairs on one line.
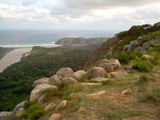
[[24, 38]]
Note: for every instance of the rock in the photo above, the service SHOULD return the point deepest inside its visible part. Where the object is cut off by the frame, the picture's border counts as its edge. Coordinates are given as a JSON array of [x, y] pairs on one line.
[[86, 85], [134, 44], [148, 58], [96, 72], [41, 99], [54, 80], [79, 74], [99, 80], [50, 107], [39, 90], [55, 116], [41, 81], [138, 118], [65, 72], [61, 106], [126, 91], [18, 106], [139, 49], [5, 114], [19, 113], [118, 74], [107, 66], [116, 64], [126, 48], [69, 80]]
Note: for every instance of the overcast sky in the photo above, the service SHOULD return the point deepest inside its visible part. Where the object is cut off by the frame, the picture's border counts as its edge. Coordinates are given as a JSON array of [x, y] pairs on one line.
[[77, 14]]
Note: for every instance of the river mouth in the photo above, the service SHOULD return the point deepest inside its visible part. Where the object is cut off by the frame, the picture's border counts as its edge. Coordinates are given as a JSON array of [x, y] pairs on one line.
[[13, 57]]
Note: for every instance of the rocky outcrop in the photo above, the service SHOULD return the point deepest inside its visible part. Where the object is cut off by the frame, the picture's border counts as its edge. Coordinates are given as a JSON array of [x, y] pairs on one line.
[[148, 58], [61, 105], [79, 74], [50, 107], [55, 79], [5, 114], [55, 116], [105, 64], [18, 106], [39, 90], [96, 72], [115, 63], [41, 81], [69, 80], [65, 72]]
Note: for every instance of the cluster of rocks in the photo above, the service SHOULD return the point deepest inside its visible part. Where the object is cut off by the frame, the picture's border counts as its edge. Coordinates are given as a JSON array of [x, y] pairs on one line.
[[141, 44], [97, 75]]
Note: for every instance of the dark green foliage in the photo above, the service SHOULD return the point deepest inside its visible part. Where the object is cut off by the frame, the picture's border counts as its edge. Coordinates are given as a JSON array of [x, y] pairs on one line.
[[16, 81], [143, 66], [35, 111], [125, 57], [27, 104]]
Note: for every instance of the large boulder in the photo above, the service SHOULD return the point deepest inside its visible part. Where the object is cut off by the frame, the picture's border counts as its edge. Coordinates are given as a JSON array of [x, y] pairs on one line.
[[61, 105], [69, 80], [96, 72], [116, 64], [148, 58], [40, 81], [107, 66], [19, 113], [39, 90], [79, 74], [65, 72], [5, 114], [55, 116], [50, 107], [54, 79], [18, 106]]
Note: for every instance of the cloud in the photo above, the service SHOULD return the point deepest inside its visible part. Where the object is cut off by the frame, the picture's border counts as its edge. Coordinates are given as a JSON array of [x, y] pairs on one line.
[[29, 2]]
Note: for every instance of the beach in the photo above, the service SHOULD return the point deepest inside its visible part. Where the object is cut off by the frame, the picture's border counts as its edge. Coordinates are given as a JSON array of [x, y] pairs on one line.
[[13, 57]]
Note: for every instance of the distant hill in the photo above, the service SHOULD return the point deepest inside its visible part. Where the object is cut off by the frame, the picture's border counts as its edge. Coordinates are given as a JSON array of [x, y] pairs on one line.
[[81, 41]]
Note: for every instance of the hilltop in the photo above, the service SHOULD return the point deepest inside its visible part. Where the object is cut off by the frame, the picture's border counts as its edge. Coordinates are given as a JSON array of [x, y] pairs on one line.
[[81, 41], [120, 80]]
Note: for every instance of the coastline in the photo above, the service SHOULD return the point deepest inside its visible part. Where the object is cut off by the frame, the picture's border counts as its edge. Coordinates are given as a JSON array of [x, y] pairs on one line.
[[15, 55]]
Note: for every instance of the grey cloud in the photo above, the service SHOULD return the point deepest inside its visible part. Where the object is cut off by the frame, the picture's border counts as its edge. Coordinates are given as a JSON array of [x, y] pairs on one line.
[[29, 2], [92, 4]]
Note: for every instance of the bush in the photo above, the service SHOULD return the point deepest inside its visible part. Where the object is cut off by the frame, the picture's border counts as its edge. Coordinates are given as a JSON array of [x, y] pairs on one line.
[[27, 104], [35, 111], [125, 57], [143, 78], [143, 66]]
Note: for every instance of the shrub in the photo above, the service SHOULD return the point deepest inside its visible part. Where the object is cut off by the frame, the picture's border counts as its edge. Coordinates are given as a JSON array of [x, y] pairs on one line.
[[27, 104], [125, 57], [143, 66], [35, 111], [143, 78]]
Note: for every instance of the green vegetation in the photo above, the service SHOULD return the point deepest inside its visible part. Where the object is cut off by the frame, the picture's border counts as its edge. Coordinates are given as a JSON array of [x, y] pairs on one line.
[[143, 66], [34, 111], [17, 79]]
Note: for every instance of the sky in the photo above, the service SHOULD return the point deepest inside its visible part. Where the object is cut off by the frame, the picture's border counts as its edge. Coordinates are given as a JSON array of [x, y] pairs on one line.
[[78, 14]]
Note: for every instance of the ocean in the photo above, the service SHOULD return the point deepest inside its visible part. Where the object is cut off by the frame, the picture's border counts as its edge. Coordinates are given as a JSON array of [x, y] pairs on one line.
[[29, 38]]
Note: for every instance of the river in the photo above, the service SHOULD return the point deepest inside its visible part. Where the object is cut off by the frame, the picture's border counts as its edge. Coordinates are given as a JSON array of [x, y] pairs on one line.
[[13, 57]]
